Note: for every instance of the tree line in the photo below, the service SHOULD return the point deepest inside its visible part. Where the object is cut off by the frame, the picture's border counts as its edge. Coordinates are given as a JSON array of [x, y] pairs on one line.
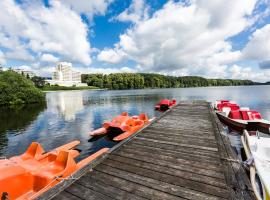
[[146, 80]]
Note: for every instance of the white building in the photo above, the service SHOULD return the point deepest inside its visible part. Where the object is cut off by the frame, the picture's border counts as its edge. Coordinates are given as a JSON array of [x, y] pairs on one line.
[[64, 75], [25, 72]]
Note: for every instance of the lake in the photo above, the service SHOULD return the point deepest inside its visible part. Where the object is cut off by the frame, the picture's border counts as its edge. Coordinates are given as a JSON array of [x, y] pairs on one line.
[[71, 115]]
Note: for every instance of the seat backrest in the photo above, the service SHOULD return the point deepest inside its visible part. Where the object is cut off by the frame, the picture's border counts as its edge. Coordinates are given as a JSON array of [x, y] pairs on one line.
[[229, 105], [124, 114], [235, 114], [173, 102], [224, 101], [61, 159], [33, 151], [138, 122], [164, 102], [65, 160], [143, 117], [234, 107], [254, 115], [244, 114]]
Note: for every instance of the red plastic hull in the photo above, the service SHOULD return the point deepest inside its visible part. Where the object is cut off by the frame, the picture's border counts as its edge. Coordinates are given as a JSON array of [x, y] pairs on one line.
[[240, 127]]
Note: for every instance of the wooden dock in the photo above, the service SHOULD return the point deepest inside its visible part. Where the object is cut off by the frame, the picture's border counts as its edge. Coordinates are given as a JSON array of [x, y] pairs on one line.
[[181, 155]]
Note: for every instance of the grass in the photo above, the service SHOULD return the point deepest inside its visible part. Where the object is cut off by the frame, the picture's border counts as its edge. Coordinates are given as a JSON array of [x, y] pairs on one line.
[[56, 88]]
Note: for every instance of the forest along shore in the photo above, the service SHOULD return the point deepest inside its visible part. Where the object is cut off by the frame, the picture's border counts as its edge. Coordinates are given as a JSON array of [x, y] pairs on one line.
[[144, 80]]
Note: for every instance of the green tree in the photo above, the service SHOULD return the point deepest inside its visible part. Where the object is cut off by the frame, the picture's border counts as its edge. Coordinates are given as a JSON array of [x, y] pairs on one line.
[[16, 89], [38, 81], [146, 80]]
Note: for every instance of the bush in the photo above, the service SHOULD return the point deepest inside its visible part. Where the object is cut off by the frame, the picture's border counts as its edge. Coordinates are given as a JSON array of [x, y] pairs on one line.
[[16, 89]]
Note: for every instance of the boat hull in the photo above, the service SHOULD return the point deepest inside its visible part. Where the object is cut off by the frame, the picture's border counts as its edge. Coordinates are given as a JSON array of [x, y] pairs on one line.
[[240, 127]]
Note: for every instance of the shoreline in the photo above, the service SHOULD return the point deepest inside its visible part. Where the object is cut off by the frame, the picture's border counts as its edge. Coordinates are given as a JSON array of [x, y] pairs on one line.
[[72, 90], [106, 89]]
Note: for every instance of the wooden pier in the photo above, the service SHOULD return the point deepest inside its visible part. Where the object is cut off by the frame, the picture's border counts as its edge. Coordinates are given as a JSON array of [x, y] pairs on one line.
[[181, 155]]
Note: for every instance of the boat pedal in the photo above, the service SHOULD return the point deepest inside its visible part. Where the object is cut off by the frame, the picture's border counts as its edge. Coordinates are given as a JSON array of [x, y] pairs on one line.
[[4, 196]]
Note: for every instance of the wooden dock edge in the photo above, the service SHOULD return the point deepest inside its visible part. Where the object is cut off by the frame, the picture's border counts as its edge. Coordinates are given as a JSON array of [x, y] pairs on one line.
[[235, 175], [49, 194]]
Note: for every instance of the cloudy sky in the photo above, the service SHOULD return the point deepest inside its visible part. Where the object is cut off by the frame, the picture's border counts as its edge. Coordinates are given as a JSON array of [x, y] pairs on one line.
[[210, 38]]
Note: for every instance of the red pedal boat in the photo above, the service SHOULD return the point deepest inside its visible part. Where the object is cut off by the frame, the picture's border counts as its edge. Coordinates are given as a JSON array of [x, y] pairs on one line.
[[122, 126], [239, 119], [222, 104], [29, 175], [165, 104]]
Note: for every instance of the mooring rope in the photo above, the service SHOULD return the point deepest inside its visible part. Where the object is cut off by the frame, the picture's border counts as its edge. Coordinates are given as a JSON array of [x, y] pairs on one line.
[[232, 160]]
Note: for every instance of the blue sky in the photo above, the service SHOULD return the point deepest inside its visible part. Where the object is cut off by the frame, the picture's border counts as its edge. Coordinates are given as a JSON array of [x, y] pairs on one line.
[[209, 38]]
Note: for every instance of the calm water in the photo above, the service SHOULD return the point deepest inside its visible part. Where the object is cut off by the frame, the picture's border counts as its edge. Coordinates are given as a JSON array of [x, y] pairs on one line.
[[70, 115]]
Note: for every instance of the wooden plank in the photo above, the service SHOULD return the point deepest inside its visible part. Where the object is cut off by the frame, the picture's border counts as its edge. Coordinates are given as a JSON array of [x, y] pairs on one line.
[[180, 166], [188, 154], [182, 140], [175, 148], [86, 193], [178, 144], [66, 195], [178, 191], [103, 187], [170, 159], [203, 129], [138, 189], [190, 134], [128, 170], [167, 170]]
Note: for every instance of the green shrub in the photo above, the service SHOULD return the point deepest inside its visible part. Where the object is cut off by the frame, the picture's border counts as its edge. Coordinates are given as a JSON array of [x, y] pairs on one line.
[[16, 89]]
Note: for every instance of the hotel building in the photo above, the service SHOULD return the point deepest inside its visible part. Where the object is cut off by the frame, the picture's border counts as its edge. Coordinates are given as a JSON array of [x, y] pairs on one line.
[[64, 75]]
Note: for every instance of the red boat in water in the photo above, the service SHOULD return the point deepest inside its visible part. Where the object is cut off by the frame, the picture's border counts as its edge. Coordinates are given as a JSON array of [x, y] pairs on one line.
[[122, 126], [239, 119], [221, 104], [165, 104]]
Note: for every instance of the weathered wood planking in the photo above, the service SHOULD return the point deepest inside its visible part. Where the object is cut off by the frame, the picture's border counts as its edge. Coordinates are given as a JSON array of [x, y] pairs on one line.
[[181, 155]]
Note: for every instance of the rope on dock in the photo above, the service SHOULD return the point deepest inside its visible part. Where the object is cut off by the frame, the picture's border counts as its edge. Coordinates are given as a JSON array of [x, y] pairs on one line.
[[231, 160], [67, 178]]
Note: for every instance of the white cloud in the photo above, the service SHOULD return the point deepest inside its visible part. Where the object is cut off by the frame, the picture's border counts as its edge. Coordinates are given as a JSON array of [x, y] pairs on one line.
[[89, 7], [19, 53], [23, 67], [111, 56], [49, 58], [54, 29], [185, 38], [239, 72], [106, 70], [258, 47], [136, 12]]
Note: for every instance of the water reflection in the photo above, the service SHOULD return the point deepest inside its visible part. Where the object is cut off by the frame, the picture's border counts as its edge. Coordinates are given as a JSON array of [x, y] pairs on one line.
[[14, 121], [65, 103], [236, 143]]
